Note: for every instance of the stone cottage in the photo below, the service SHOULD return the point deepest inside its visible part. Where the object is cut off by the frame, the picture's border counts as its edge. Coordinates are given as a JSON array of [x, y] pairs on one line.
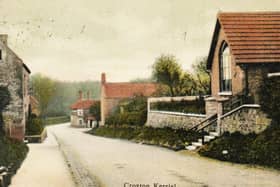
[[113, 93], [14, 75], [80, 116], [245, 49]]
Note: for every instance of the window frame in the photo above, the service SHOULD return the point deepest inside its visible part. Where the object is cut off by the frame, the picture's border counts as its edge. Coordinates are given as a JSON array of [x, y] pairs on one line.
[[225, 71]]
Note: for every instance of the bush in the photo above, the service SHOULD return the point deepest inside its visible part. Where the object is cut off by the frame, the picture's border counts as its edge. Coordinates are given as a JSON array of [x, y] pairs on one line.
[[11, 152], [34, 126], [270, 97], [196, 106], [131, 111], [262, 149]]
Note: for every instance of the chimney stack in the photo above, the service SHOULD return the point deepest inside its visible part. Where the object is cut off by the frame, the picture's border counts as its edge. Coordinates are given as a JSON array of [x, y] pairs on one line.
[[4, 38], [80, 95], [103, 78]]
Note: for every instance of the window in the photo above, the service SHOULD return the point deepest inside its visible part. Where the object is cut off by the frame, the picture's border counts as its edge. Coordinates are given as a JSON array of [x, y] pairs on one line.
[[225, 68]]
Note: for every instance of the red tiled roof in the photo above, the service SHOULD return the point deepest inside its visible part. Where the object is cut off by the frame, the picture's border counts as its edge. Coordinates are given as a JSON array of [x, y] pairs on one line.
[[252, 37], [82, 104], [126, 90]]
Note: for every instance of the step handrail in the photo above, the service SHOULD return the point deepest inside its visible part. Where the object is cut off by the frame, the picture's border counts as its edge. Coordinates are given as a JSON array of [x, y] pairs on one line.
[[200, 123], [208, 124]]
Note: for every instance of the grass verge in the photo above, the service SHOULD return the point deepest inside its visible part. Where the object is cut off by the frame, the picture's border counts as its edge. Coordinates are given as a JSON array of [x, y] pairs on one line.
[[165, 137], [262, 149]]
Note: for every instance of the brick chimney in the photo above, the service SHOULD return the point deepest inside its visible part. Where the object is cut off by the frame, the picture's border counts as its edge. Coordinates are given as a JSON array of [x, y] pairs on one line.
[[103, 78], [80, 95], [4, 38]]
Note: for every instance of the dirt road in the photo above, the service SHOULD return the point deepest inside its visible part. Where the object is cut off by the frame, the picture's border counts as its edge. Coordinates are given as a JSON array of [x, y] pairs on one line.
[[118, 163]]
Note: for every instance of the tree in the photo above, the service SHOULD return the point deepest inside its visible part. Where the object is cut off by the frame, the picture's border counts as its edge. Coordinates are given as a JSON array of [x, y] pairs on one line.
[[43, 89], [167, 71], [187, 85], [95, 110], [201, 76]]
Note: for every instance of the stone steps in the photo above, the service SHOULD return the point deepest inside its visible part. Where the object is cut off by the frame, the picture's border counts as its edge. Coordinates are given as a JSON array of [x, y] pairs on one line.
[[207, 138]]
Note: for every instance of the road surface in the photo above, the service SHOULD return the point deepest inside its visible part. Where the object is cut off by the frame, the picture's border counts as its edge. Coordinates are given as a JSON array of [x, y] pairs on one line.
[[118, 163], [44, 166]]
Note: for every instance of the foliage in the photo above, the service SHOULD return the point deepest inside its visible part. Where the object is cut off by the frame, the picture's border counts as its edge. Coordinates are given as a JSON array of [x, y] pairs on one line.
[[95, 110], [11, 151], [270, 97], [4, 97], [132, 111], [167, 137], [4, 101], [262, 149], [43, 90], [196, 106], [62, 93], [34, 125], [167, 71], [201, 77]]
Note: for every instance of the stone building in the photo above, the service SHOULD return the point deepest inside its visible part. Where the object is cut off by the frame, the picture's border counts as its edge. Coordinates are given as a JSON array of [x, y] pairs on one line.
[[80, 116], [245, 49], [113, 93], [14, 75]]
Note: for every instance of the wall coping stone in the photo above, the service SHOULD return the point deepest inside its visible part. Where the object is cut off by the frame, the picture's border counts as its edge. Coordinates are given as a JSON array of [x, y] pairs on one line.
[[240, 107], [170, 99], [178, 113]]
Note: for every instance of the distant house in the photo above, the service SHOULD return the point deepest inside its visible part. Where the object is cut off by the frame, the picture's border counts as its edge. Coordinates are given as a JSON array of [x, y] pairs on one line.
[[80, 116], [113, 93], [14, 75]]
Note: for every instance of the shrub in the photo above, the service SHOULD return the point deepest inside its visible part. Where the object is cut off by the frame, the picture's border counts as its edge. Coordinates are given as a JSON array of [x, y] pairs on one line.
[[131, 111], [270, 97], [11, 151], [197, 106], [34, 126], [262, 149]]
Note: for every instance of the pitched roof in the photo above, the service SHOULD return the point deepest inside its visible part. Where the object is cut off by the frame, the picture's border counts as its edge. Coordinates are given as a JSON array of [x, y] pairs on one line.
[[252, 37], [126, 90], [83, 104]]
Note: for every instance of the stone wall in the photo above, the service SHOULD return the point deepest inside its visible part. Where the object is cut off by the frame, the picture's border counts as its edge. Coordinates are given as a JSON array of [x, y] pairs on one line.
[[13, 76], [175, 120], [245, 119]]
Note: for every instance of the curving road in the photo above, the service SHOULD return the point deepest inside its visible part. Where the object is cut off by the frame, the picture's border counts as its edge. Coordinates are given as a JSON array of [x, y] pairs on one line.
[[117, 163]]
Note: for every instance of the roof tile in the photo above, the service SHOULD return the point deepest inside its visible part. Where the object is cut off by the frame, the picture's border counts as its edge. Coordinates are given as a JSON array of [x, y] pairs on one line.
[[252, 37]]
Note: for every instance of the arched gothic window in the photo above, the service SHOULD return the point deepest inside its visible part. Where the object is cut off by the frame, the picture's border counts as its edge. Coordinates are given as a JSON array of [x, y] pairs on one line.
[[225, 68]]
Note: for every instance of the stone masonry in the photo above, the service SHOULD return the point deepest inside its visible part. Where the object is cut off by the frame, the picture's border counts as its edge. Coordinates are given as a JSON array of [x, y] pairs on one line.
[[245, 119], [14, 75], [175, 120]]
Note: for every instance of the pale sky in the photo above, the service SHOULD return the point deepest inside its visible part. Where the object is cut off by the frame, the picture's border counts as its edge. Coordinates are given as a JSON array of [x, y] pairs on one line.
[[79, 39]]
